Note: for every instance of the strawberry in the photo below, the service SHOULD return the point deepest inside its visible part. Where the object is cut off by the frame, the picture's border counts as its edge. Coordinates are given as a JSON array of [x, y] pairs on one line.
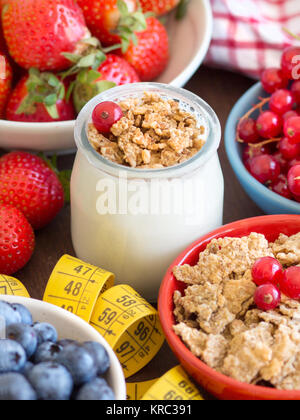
[[158, 7], [39, 97], [28, 183], [113, 21], [5, 82], [37, 32], [16, 240], [113, 71], [151, 54]]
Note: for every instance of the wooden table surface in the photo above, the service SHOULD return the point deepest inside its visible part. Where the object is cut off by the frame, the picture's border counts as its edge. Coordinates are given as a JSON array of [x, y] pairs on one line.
[[221, 90]]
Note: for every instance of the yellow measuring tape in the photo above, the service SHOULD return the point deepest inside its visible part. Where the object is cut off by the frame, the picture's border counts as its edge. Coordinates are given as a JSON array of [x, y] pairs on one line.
[[127, 321], [174, 385], [12, 286]]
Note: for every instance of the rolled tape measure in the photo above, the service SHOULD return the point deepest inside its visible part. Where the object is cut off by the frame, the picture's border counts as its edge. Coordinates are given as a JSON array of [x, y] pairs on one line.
[[75, 286], [12, 286], [174, 385], [127, 321], [136, 390], [130, 325]]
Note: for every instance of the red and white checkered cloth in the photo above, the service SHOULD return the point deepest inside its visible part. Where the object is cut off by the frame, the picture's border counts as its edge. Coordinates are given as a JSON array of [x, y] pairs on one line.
[[249, 35]]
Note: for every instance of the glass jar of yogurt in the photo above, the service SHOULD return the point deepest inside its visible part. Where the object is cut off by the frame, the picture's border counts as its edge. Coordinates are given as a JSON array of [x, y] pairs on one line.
[[134, 222]]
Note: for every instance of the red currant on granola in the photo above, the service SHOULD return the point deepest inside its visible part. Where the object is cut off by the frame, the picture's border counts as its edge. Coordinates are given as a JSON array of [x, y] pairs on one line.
[[290, 283], [105, 115], [267, 297], [267, 270]]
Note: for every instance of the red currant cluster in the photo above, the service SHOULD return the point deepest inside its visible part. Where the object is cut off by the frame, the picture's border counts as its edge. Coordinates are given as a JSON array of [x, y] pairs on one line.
[[272, 141], [271, 279]]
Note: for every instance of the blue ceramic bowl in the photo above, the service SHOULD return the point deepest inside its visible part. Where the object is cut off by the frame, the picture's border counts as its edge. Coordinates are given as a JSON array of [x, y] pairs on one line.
[[267, 200]]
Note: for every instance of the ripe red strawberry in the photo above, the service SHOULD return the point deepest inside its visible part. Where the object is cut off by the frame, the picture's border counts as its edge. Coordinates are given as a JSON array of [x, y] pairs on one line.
[[37, 32], [151, 54], [113, 21], [159, 7], [114, 71], [16, 240], [39, 97], [28, 183], [5, 82]]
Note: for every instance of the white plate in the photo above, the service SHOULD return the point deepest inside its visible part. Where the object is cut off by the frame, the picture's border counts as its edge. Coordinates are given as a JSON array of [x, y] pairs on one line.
[[190, 39], [72, 327]]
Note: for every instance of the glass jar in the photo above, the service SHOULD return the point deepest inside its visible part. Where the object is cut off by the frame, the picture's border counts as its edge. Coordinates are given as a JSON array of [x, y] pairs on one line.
[[135, 222]]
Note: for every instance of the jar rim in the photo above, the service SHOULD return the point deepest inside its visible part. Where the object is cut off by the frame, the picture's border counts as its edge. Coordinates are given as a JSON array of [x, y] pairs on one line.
[[132, 90]]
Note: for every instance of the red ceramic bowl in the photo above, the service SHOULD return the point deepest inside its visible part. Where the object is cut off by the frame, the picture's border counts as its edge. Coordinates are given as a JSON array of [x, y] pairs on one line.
[[215, 383]]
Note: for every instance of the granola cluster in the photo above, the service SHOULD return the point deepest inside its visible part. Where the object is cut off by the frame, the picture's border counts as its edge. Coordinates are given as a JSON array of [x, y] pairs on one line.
[[154, 133], [218, 321]]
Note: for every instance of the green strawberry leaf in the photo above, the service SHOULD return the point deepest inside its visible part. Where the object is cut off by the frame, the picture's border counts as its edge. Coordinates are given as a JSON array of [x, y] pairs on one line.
[[44, 88], [50, 100], [74, 58], [130, 24], [64, 176], [182, 9], [52, 111]]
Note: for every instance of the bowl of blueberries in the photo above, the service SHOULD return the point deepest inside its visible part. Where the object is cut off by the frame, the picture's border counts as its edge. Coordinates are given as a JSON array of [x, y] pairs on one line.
[[47, 353]]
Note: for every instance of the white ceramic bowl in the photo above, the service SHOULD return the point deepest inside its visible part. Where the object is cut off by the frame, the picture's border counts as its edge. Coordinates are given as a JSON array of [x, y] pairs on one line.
[[190, 39], [72, 327]]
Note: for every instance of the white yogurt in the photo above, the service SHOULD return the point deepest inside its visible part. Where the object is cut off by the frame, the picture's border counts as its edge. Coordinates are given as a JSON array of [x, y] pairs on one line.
[[135, 222]]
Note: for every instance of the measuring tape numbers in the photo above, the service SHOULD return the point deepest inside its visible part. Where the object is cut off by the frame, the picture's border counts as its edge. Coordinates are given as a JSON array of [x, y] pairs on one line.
[[175, 385], [75, 286], [11, 286], [127, 321], [130, 325]]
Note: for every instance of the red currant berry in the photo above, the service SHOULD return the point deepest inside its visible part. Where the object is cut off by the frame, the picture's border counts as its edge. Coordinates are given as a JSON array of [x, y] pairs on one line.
[[289, 114], [290, 283], [105, 115], [282, 162], [247, 131], [288, 149], [267, 297], [267, 270], [281, 101], [280, 187], [293, 162], [269, 125], [264, 168], [292, 129], [250, 152], [272, 79], [287, 61], [295, 89], [294, 180]]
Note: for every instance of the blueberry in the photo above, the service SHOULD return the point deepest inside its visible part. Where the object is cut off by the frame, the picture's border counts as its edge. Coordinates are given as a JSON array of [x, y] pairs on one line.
[[27, 368], [12, 356], [26, 317], [9, 314], [96, 390], [45, 332], [14, 387], [51, 381], [47, 352], [66, 342], [24, 335], [99, 355], [79, 363]]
